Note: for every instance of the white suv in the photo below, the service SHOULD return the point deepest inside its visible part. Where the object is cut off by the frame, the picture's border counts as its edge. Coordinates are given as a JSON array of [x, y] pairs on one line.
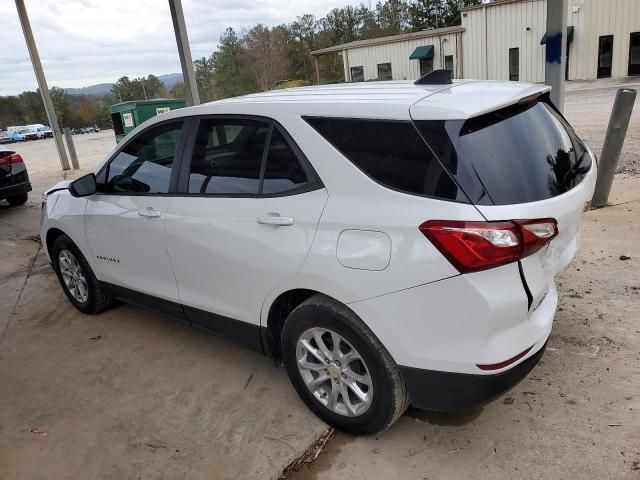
[[390, 243]]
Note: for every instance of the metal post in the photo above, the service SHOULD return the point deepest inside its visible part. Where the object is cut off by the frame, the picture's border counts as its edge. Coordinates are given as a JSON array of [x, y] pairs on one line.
[[556, 50], [42, 83], [188, 74], [72, 148], [617, 130]]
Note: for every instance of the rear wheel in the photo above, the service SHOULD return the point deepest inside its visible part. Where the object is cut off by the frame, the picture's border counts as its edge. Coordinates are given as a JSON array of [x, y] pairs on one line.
[[77, 279], [18, 199], [340, 369]]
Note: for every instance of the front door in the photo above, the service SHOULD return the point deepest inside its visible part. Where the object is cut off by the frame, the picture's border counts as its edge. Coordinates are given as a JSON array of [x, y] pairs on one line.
[[245, 223], [125, 220], [605, 56]]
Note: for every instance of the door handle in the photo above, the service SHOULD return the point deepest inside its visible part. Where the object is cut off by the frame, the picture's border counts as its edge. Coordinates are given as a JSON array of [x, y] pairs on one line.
[[277, 220], [149, 212]]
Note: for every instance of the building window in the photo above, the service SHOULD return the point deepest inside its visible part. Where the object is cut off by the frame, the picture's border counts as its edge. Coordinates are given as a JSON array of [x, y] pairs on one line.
[[448, 63], [634, 54], [384, 71], [357, 74], [514, 64], [605, 56], [426, 66]]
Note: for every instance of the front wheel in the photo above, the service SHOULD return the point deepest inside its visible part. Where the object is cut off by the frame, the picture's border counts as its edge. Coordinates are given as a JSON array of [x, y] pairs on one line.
[[76, 277], [340, 369]]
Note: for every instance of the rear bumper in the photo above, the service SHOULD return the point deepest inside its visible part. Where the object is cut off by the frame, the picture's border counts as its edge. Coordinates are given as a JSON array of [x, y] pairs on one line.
[[16, 189], [449, 391]]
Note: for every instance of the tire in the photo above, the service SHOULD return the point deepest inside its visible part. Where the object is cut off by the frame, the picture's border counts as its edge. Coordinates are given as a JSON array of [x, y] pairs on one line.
[[97, 299], [18, 199], [383, 401]]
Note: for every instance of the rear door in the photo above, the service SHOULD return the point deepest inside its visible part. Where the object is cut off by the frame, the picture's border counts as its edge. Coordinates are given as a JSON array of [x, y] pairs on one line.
[[244, 220], [522, 162]]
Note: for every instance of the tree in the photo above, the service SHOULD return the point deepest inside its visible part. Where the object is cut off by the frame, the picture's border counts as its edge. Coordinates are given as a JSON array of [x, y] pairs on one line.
[[178, 91], [392, 16], [125, 89], [231, 78], [205, 72], [426, 14], [264, 55], [154, 87]]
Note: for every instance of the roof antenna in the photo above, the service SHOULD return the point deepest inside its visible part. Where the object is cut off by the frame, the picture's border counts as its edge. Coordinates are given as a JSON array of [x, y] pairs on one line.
[[437, 77]]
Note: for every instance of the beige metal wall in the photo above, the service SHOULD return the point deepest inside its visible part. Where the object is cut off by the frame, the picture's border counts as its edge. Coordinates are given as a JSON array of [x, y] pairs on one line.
[[397, 53], [592, 19], [490, 32]]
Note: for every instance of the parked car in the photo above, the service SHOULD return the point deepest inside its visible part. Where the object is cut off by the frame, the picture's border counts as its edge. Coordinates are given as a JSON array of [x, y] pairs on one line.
[[44, 132], [23, 134], [5, 138], [391, 243], [14, 179]]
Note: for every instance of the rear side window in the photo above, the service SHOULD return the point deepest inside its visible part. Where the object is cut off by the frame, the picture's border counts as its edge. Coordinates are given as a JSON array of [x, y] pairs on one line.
[[244, 157], [227, 157], [519, 154], [391, 153]]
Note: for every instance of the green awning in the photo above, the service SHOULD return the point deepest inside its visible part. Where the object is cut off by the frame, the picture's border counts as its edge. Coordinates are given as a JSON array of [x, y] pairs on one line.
[[419, 53], [570, 29]]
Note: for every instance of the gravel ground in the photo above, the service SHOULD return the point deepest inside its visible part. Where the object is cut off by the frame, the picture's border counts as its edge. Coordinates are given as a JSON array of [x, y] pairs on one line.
[[588, 107]]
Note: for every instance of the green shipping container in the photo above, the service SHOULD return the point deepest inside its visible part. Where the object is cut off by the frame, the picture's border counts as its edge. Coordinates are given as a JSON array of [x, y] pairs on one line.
[[126, 116]]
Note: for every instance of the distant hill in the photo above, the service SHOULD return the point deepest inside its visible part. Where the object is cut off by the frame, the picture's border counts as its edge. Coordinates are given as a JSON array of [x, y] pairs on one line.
[[99, 89], [169, 81]]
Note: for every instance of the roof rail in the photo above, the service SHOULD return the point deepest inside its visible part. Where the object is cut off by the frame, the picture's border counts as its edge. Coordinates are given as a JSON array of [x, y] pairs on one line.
[[437, 77]]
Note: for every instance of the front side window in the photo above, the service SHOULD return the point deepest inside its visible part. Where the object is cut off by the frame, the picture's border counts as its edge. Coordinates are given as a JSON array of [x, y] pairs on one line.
[[391, 153], [384, 71], [357, 74], [144, 164], [243, 157]]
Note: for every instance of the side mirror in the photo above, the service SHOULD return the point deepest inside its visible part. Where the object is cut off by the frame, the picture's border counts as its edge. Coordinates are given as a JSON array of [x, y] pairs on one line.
[[83, 186]]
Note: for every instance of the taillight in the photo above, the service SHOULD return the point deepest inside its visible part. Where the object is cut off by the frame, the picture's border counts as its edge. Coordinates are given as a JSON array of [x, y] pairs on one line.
[[474, 246], [11, 159]]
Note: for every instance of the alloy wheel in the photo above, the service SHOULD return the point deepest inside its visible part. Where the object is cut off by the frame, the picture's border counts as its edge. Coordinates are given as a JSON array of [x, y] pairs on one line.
[[73, 276], [334, 372]]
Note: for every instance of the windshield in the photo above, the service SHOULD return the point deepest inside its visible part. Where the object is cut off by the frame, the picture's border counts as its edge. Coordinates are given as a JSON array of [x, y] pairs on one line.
[[523, 153]]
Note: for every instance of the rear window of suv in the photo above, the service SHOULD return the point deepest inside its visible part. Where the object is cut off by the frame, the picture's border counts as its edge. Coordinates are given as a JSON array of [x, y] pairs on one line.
[[523, 153], [390, 152]]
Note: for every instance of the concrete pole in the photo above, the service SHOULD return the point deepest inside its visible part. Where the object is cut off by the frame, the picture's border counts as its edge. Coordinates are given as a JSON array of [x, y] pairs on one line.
[[72, 148], [617, 130], [556, 50], [42, 83], [188, 74]]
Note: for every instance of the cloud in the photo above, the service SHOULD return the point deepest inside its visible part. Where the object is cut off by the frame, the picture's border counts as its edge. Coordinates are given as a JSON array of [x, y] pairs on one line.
[[83, 42]]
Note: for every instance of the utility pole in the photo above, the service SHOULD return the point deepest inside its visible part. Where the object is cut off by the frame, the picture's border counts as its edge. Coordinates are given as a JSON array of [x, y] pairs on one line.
[[556, 50], [182, 40], [143, 90], [42, 83]]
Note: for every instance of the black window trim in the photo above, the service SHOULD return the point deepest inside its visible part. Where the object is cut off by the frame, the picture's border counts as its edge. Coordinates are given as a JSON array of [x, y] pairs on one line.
[[179, 180], [384, 185], [313, 180], [173, 179]]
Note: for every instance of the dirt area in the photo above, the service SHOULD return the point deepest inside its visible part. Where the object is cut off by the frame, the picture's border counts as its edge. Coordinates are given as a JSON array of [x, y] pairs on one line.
[[129, 394]]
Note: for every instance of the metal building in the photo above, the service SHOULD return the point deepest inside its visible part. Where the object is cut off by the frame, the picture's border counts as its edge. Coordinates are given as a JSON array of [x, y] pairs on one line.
[[504, 40], [400, 57]]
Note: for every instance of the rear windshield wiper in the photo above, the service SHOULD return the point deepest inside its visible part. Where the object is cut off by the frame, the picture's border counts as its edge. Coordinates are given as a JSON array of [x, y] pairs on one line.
[[577, 169]]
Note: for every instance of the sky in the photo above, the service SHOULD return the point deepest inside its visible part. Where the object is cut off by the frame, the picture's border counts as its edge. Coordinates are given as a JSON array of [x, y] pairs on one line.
[[84, 42]]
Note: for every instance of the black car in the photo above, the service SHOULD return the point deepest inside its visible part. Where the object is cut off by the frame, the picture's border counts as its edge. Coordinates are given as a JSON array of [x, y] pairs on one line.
[[14, 179]]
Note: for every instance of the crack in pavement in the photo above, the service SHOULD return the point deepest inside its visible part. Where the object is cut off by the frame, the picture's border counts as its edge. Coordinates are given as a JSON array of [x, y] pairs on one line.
[[24, 284]]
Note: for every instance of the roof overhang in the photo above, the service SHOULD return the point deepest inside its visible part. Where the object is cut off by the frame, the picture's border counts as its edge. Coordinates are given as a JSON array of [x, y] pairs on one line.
[[391, 39]]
